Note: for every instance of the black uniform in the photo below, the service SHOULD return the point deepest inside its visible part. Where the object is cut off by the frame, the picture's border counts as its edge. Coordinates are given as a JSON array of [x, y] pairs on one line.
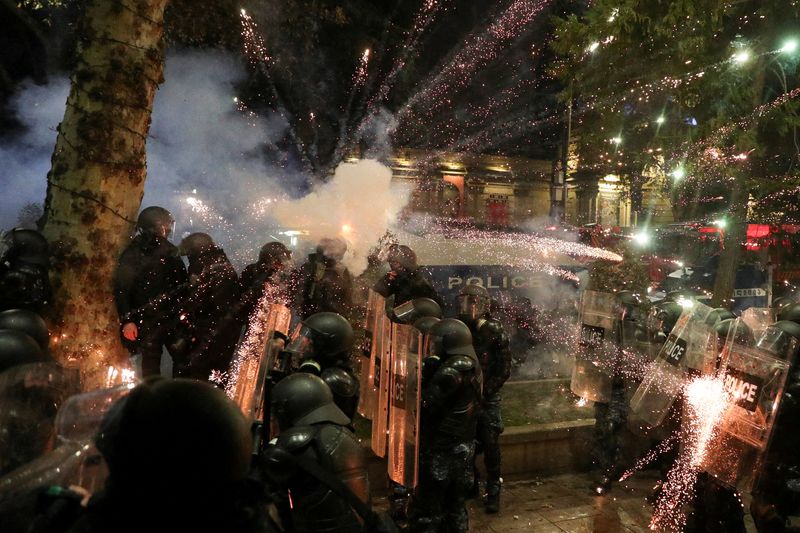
[[313, 432], [325, 285], [492, 348], [315, 507], [405, 286], [210, 312], [149, 274], [449, 419]]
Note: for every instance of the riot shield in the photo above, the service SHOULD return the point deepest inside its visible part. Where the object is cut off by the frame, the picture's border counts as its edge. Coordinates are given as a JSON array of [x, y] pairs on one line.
[[637, 337], [689, 348], [404, 404], [379, 376], [256, 357], [758, 319], [368, 393], [30, 396], [596, 356], [75, 460], [754, 380]]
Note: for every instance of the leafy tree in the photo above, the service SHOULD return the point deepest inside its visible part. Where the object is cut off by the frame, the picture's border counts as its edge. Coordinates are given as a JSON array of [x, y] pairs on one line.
[[692, 88]]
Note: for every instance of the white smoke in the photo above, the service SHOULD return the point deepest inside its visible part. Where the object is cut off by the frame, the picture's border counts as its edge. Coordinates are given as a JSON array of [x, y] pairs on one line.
[[358, 204], [25, 159]]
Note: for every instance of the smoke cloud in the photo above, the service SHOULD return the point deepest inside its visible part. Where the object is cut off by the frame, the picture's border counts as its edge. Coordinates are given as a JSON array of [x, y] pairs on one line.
[[25, 158], [208, 162], [358, 205]]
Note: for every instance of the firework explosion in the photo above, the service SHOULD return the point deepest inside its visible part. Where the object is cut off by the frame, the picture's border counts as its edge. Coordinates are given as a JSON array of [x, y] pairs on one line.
[[705, 404]]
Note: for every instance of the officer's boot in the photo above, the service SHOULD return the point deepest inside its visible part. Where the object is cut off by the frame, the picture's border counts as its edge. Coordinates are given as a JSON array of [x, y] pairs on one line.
[[493, 495]]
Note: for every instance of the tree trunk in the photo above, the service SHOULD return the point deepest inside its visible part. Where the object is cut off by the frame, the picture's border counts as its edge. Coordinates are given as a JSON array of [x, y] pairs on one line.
[[96, 183], [735, 234]]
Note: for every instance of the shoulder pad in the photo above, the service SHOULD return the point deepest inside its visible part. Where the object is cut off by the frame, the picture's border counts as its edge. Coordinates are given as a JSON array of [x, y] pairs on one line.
[[493, 326], [296, 438], [462, 363], [340, 381]]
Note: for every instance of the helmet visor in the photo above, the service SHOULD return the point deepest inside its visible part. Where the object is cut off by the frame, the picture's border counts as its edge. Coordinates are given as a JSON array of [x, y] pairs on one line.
[[778, 343], [302, 342], [406, 312], [472, 306]]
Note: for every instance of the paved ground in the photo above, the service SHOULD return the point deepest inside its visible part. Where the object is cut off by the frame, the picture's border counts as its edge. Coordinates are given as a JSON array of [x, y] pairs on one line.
[[565, 503]]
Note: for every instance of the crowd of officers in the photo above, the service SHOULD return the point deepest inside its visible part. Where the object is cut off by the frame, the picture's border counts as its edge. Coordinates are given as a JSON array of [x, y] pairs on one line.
[[179, 452]]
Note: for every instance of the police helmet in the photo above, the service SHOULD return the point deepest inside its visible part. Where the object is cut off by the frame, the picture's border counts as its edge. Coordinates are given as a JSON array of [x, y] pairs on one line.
[[450, 336], [27, 322], [790, 312], [424, 324], [717, 314], [322, 334], [403, 256], [195, 244], [274, 252], [473, 301], [156, 221], [28, 246], [175, 435], [19, 348], [303, 399], [781, 339], [412, 310], [743, 334]]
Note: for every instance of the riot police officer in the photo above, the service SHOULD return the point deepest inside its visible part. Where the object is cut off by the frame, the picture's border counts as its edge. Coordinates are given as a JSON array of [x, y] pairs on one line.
[[209, 306], [274, 260], [325, 284], [178, 454], [24, 280], [492, 348], [323, 345], [451, 395], [312, 430], [148, 274], [405, 281]]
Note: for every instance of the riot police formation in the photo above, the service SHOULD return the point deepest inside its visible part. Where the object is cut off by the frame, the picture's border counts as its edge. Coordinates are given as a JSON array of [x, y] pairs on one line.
[[775, 495], [323, 282], [148, 274], [314, 445], [178, 458], [451, 396], [209, 319], [492, 349], [322, 345], [24, 281], [405, 281]]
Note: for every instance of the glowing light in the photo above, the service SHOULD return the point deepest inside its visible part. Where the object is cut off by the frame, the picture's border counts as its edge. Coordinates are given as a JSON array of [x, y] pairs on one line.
[[592, 47], [661, 119], [685, 303], [614, 13], [679, 173], [346, 228], [741, 57], [790, 46], [611, 178], [642, 238], [721, 223], [617, 140]]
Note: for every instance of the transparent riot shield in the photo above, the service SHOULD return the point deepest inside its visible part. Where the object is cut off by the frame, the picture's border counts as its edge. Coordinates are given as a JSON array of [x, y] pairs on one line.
[[758, 319], [636, 336], [690, 348], [598, 346], [404, 404], [379, 377], [75, 459], [754, 380], [30, 396], [368, 393], [256, 356]]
